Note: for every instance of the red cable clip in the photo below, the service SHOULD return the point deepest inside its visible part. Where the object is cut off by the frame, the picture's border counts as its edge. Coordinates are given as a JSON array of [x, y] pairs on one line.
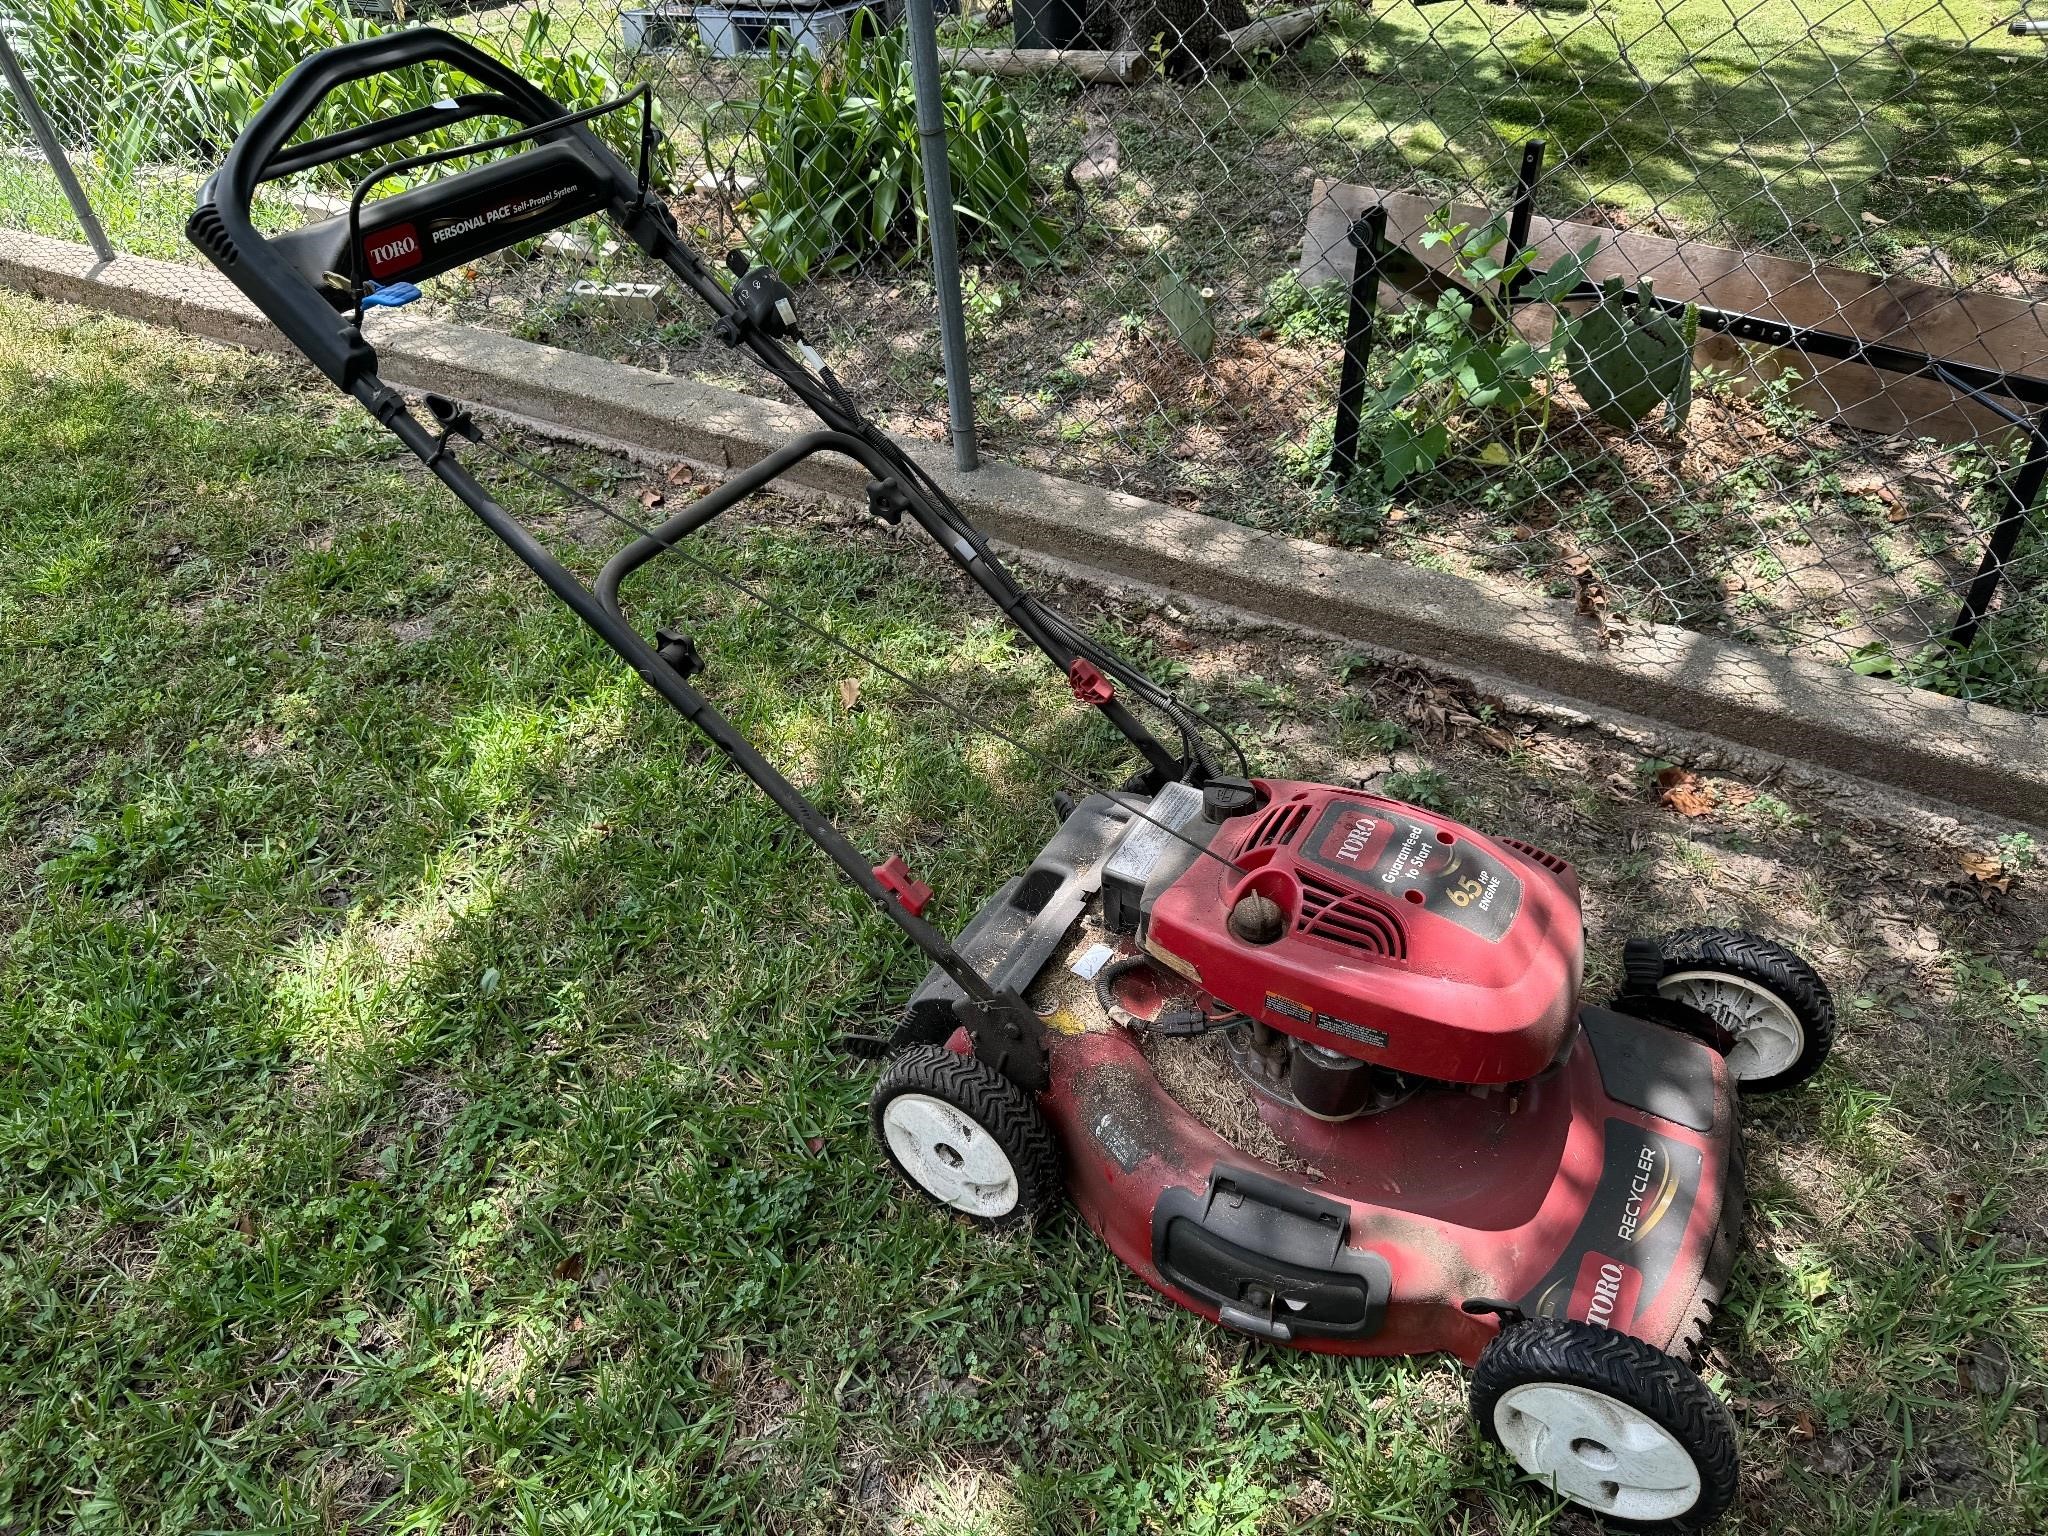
[[894, 877], [1088, 683]]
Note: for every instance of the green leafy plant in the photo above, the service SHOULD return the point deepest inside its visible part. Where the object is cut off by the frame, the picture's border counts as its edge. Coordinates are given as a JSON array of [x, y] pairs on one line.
[[1628, 359], [1298, 313], [1425, 787], [123, 861], [2000, 667], [1466, 356], [841, 174], [176, 80]]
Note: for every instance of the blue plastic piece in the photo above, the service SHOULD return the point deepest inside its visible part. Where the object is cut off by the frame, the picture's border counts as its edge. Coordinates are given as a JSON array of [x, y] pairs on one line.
[[390, 295]]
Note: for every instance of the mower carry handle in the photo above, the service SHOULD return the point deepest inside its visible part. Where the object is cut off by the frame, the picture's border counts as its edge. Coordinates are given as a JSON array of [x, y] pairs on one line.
[[278, 274], [253, 158]]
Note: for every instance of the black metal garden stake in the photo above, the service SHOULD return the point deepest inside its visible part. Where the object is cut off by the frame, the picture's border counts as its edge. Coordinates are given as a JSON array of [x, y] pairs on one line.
[[2022, 489], [1368, 241]]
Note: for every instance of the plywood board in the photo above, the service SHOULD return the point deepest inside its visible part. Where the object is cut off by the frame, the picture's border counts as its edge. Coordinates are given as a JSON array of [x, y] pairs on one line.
[[1987, 329]]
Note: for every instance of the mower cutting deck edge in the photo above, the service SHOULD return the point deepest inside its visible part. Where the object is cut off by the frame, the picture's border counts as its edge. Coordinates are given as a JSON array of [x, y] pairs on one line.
[[1315, 1064]]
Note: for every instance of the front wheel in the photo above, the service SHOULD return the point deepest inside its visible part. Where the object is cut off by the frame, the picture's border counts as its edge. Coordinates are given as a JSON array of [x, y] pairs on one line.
[[1609, 1423], [1776, 1012], [966, 1136]]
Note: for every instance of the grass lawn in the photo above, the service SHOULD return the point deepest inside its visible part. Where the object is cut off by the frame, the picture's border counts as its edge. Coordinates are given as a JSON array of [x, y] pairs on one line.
[[417, 1099]]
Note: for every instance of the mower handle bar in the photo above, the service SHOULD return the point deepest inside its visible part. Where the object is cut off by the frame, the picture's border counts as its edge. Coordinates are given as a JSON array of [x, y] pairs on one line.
[[222, 227], [254, 158]]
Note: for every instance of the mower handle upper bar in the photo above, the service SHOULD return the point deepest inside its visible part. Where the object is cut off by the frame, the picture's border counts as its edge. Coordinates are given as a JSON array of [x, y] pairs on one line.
[[346, 143], [333, 343]]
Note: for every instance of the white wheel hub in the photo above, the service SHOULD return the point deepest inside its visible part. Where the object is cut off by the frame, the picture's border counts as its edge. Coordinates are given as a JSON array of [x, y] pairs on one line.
[[950, 1156], [1768, 1035], [1597, 1451]]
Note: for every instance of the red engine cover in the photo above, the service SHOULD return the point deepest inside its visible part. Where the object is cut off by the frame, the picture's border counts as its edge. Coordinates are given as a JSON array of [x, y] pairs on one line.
[[1410, 941]]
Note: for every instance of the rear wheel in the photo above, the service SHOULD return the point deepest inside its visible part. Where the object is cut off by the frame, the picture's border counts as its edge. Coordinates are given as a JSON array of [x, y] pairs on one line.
[[966, 1137], [1777, 1012], [1609, 1423]]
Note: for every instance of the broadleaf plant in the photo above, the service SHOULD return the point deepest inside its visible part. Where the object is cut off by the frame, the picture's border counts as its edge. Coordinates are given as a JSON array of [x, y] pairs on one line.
[[835, 145], [1465, 355]]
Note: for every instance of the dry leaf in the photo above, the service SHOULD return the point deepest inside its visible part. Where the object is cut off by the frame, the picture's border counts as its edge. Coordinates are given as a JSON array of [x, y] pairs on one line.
[[849, 691], [1986, 869], [680, 474], [1682, 790], [651, 498]]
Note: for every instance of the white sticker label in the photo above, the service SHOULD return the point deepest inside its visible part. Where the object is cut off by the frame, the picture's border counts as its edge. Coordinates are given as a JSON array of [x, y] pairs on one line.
[[1090, 965]]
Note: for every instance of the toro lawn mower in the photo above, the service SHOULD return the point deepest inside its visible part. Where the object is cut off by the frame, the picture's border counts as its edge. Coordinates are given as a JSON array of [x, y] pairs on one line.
[[1412, 1132]]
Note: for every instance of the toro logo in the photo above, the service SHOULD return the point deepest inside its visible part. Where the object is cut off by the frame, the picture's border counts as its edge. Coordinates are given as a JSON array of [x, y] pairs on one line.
[[1349, 841], [1605, 1291], [392, 250]]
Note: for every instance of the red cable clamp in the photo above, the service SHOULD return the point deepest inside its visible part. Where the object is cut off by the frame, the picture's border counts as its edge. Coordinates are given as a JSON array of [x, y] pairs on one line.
[[1088, 683], [894, 877]]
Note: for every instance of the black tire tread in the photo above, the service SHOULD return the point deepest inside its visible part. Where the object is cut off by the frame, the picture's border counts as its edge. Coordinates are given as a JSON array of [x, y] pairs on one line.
[[995, 1103], [1769, 964], [1631, 1371]]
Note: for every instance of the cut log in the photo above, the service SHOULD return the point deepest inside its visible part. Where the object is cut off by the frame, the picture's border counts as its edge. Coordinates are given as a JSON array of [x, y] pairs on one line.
[[1275, 33], [1125, 67]]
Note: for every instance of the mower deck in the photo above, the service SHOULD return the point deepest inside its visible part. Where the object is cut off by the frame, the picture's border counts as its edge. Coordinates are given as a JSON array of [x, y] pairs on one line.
[[1606, 1189]]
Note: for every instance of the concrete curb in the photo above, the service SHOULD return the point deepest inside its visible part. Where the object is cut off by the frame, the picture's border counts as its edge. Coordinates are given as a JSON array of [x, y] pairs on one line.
[[1967, 755]]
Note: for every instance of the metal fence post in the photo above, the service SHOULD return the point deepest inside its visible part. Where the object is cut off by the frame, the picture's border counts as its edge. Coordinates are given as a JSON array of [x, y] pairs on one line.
[[938, 197], [46, 140], [1369, 249]]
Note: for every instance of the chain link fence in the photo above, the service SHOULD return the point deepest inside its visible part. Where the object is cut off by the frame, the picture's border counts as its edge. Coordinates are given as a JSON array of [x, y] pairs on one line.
[[1160, 232]]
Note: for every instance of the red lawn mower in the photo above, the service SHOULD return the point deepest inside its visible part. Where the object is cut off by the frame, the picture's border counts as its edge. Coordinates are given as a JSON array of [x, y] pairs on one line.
[[1314, 1063]]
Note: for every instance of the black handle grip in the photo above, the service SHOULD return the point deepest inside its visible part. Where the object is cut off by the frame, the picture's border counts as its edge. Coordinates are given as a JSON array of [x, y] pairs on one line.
[[299, 95], [221, 226]]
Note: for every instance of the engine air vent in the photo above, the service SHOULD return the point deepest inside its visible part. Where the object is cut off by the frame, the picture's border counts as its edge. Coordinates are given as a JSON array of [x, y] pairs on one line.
[[1357, 922], [1543, 856], [1280, 826]]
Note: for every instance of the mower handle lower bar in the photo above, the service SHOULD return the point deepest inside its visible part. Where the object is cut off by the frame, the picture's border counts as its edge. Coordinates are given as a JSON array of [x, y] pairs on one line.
[[994, 581], [729, 493], [384, 403]]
